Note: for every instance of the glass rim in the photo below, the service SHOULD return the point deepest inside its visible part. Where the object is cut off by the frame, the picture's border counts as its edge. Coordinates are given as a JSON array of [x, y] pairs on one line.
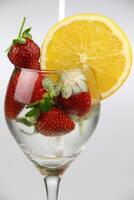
[[52, 71]]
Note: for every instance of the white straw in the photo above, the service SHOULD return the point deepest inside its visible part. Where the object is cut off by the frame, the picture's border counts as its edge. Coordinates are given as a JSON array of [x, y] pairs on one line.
[[62, 6]]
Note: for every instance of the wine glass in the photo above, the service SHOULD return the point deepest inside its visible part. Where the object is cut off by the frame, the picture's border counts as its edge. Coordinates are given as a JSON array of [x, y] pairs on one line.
[[51, 115]]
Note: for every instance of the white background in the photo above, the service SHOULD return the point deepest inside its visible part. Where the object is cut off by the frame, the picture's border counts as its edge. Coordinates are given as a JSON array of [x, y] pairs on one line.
[[105, 170]]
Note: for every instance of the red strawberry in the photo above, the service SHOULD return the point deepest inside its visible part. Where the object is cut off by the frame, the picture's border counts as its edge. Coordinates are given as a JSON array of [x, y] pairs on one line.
[[24, 52], [77, 104], [25, 55], [38, 90], [12, 108], [54, 123]]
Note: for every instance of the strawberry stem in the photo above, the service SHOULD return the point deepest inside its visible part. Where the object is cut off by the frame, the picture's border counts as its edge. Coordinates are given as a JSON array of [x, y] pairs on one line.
[[21, 27]]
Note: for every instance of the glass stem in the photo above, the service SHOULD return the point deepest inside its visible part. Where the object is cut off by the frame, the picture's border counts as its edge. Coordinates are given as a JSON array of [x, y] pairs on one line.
[[52, 187]]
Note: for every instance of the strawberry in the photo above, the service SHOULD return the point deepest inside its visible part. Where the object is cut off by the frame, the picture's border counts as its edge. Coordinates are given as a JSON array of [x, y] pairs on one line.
[[77, 104], [38, 90], [54, 123], [24, 52], [24, 55], [12, 108]]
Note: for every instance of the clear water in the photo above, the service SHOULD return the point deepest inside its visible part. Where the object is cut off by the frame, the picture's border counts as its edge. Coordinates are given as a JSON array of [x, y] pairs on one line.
[[54, 153]]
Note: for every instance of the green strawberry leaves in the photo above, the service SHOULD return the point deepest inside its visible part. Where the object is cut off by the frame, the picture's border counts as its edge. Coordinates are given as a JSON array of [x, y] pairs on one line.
[[46, 104], [25, 121], [30, 117], [47, 101], [19, 40], [34, 112], [27, 34]]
